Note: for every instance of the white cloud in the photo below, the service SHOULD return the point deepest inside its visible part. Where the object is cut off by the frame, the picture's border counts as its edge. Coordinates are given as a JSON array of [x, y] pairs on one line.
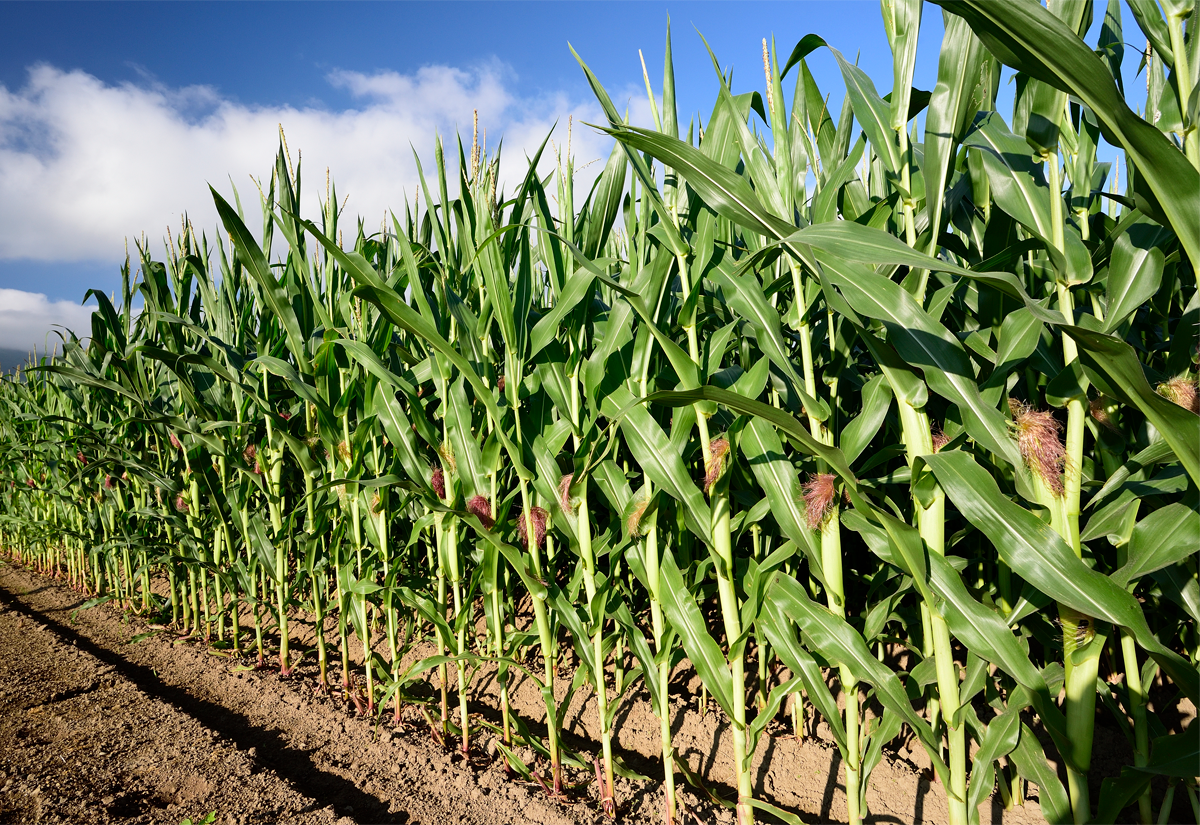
[[85, 164], [27, 317]]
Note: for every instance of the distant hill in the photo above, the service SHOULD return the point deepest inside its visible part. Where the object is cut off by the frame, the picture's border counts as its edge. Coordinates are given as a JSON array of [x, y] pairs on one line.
[[10, 359]]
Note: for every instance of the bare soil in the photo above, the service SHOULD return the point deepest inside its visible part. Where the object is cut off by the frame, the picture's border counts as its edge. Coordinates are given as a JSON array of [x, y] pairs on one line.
[[101, 723]]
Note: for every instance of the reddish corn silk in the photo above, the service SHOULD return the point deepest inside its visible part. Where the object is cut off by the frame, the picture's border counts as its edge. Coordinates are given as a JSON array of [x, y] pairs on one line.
[[1098, 409], [819, 496], [633, 523], [437, 480], [1181, 391], [564, 491], [343, 451], [174, 439], [286, 416], [181, 504], [250, 455], [1039, 438], [82, 458], [30, 482], [939, 438], [718, 448], [109, 482], [447, 454], [481, 508], [539, 517], [500, 384]]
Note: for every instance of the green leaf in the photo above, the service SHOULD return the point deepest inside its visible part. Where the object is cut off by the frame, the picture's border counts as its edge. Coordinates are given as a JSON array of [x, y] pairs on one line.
[[1026, 36], [1039, 555], [777, 627], [951, 109], [841, 645], [605, 203], [825, 204], [403, 316], [263, 547], [1019, 335], [1174, 755], [1180, 588], [1118, 793], [892, 540], [929, 346], [723, 190], [1114, 521], [1149, 18], [746, 297], [1003, 734], [1113, 366], [873, 114], [400, 432], [782, 420], [1020, 189], [1031, 764], [1134, 274], [1163, 538], [777, 477], [876, 401], [685, 617], [1156, 453], [468, 458], [902, 22], [516, 559], [850, 241], [578, 286], [986, 634], [295, 382], [89, 380], [651, 447], [640, 168], [641, 651], [274, 293]]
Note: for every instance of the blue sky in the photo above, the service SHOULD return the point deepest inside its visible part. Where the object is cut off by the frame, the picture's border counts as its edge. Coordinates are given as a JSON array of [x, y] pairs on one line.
[[115, 116], [276, 53]]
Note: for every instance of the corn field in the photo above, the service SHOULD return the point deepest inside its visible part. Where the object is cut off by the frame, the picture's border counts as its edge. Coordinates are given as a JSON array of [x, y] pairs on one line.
[[890, 428]]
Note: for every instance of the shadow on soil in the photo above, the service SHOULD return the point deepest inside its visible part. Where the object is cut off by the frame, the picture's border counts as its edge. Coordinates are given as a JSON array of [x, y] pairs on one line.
[[292, 764]]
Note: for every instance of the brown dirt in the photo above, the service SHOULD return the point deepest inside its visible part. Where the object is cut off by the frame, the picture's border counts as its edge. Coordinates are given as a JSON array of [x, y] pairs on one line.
[[97, 728]]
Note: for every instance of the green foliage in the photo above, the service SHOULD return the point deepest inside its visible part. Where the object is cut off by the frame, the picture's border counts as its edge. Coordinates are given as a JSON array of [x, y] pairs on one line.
[[208, 820], [833, 395]]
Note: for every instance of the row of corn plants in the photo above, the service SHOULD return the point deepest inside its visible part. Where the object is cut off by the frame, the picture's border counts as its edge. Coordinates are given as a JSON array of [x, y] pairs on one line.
[[891, 428]]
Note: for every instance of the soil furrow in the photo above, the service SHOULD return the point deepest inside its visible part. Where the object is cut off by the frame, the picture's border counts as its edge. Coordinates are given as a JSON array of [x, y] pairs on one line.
[[102, 719]]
